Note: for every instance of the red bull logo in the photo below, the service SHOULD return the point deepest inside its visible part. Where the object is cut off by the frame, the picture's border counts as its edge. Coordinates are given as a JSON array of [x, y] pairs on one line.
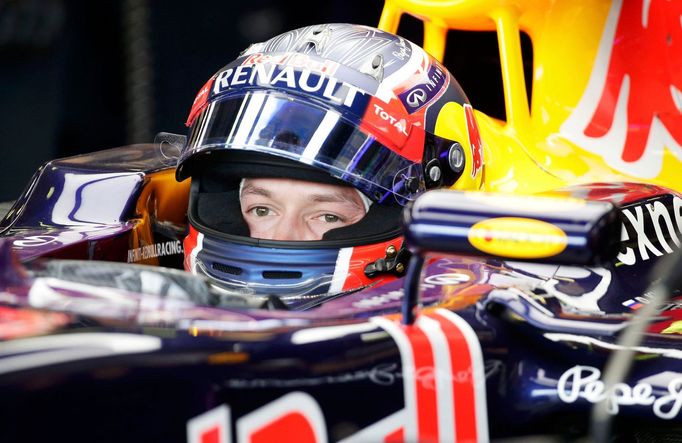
[[631, 109]]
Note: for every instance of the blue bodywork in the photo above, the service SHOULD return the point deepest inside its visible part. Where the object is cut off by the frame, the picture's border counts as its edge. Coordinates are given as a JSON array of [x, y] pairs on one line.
[[104, 350]]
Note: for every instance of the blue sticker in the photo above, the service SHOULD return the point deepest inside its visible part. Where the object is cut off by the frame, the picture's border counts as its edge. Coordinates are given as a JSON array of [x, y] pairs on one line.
[[418, 96], [332, 90]]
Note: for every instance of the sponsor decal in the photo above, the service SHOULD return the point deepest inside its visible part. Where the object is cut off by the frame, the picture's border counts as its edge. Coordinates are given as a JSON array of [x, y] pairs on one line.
[[399, 125], [154, 250], [583, 382], [199, 102], [517, 237], [382, 375], [35, 240], [443, 379], [637, 302], [628, 115], [325, 87], [655, 229], [403, 51], [295, 59], [392, 126], [416, 97], [632, 304]]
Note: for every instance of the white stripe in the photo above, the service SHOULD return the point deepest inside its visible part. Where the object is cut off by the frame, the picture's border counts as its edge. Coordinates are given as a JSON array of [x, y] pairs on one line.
[[215, 418], [477, 372], [646, 5], [247, 125], [320, 136], [407, 361], [340, 270], [443, 374], [237, 119], [205, 124]]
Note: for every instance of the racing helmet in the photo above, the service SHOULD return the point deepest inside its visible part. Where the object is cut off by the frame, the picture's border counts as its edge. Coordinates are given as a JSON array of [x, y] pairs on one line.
[[333, 103]]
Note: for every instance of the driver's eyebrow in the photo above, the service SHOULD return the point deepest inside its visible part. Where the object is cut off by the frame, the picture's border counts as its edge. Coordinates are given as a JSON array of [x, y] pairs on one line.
[[333, 198], [251, 189], [326, 197]]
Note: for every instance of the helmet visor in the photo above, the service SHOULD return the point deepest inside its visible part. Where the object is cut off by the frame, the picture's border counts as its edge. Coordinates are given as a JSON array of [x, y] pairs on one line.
[[276, 124]]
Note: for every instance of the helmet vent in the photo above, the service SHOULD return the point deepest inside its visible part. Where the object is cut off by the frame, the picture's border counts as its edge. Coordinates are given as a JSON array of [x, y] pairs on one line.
[[374, 67], [227, 269], [317, 39], [281, 275]]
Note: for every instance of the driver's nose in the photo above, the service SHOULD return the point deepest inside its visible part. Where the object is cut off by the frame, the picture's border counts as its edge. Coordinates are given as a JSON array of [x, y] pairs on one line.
[[292, 228]]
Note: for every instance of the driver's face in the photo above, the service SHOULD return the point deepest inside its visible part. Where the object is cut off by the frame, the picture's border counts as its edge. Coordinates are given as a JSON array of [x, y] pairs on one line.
[[287, 209]]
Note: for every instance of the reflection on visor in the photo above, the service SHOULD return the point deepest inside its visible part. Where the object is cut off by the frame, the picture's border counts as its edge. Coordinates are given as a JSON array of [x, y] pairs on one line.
[[275, 124]]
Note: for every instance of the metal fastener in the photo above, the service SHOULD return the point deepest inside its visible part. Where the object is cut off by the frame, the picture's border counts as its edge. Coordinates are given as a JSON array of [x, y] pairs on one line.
[[434, 174]]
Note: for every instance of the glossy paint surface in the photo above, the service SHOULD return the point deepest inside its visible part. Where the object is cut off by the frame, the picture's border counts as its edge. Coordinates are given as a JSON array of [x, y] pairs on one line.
[[498, 347], [606, 106], [543, 332]]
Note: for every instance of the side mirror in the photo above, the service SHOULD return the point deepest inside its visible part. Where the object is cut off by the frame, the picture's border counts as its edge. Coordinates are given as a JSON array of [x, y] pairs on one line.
[[526, 228], [529, 228]]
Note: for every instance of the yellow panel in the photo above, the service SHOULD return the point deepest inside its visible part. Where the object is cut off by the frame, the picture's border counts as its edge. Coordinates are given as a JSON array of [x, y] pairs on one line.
[[573, 50]]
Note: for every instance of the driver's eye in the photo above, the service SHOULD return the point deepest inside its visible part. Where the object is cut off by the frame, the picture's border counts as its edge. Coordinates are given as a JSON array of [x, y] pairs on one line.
[[331, 218], [261, 211]]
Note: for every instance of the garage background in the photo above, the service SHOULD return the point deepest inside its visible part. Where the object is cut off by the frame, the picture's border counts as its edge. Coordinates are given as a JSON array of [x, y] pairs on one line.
[[79, 76]]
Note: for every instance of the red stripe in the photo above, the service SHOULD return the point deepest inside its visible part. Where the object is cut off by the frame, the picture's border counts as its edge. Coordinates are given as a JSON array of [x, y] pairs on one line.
[[364, 255], [292, 427], [189, 243], [211, 435], [397, 436], [425, 385], [463, 393]]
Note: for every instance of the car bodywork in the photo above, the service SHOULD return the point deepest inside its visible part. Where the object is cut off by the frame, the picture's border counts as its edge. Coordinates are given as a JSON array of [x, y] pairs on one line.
[[515, 324]]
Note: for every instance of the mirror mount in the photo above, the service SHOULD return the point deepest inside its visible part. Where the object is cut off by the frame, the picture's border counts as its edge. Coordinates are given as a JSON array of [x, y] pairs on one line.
[[540, 229]]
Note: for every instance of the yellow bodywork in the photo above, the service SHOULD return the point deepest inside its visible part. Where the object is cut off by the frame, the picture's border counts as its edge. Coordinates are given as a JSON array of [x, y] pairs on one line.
[[543, 146]]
